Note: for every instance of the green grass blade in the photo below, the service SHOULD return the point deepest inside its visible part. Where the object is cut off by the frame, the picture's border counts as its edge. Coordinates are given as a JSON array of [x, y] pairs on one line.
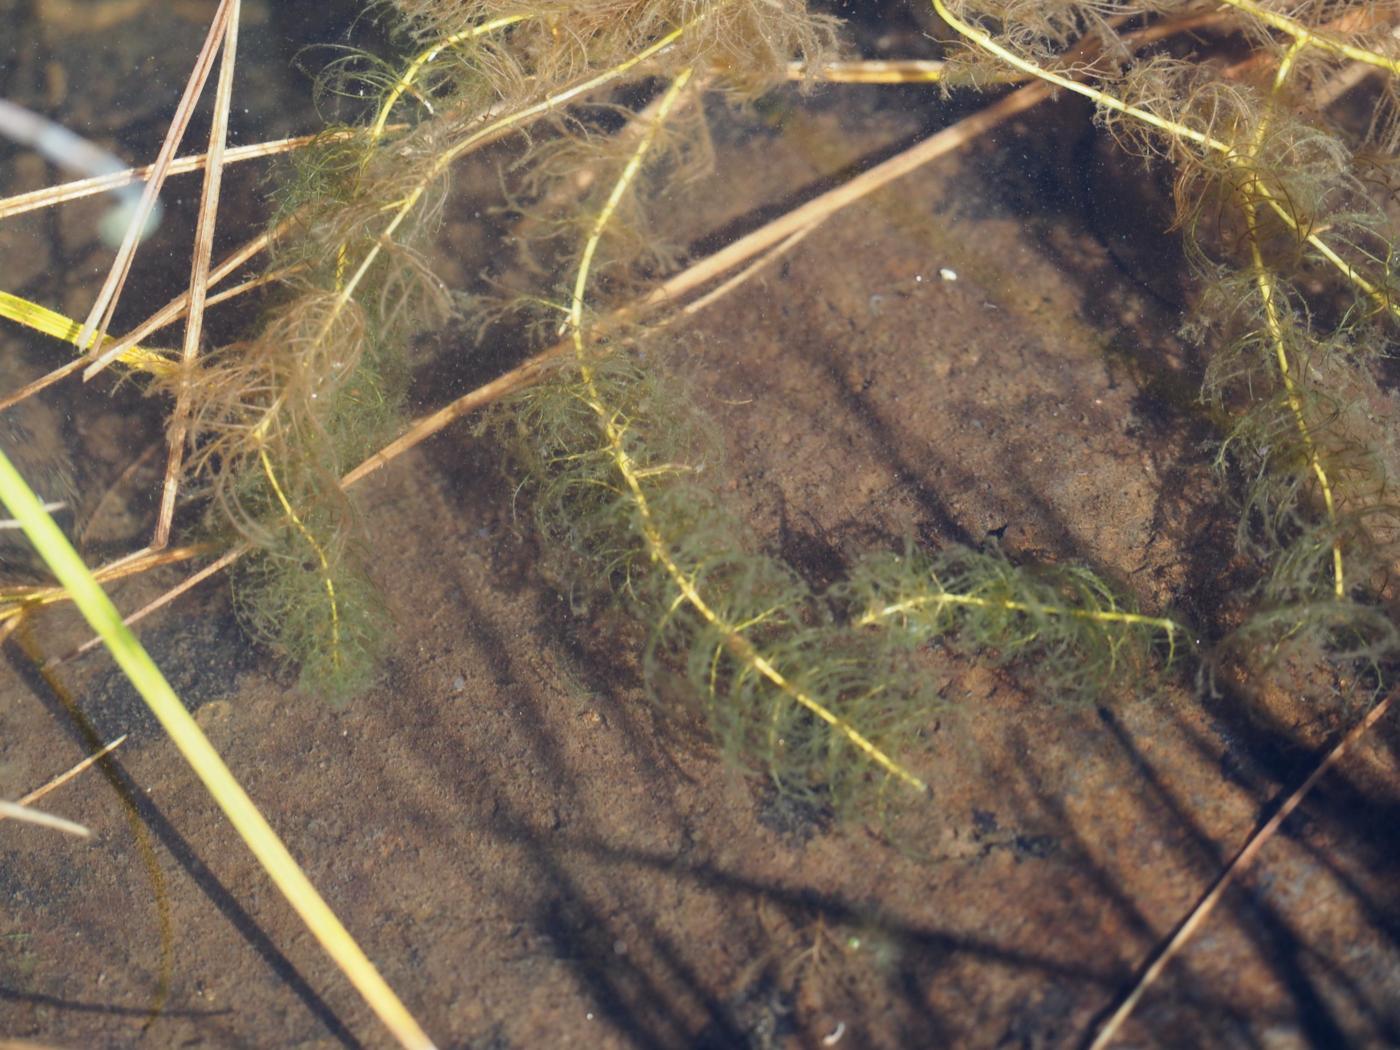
[[65, 563]]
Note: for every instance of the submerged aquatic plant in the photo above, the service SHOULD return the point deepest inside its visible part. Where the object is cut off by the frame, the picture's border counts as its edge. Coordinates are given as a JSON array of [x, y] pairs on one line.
[[605, 99], [1273, 196], [1287, 215], [790, 680]]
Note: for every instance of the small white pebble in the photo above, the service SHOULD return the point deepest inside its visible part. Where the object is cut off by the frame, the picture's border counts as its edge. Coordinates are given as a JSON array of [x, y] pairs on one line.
[[948, 274]]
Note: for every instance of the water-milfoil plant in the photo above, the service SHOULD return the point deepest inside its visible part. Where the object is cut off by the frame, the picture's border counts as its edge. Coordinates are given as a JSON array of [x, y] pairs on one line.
[[603, 101], [1285, 213], [1286, 216], [818, 693]]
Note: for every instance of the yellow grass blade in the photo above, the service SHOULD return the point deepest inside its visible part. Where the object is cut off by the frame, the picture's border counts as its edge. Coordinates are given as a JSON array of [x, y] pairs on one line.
[[50, 322]]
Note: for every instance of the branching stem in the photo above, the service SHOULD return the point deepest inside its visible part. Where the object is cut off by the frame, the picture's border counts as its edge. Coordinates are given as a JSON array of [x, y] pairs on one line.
[[1177, 130], [1305, 37], [315, 546], [411, 71], [614, 431], [1266, 284], [944, 599]]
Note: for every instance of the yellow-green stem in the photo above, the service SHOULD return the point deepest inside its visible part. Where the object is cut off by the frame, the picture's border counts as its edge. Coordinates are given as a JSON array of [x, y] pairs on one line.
[[660, 551]]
